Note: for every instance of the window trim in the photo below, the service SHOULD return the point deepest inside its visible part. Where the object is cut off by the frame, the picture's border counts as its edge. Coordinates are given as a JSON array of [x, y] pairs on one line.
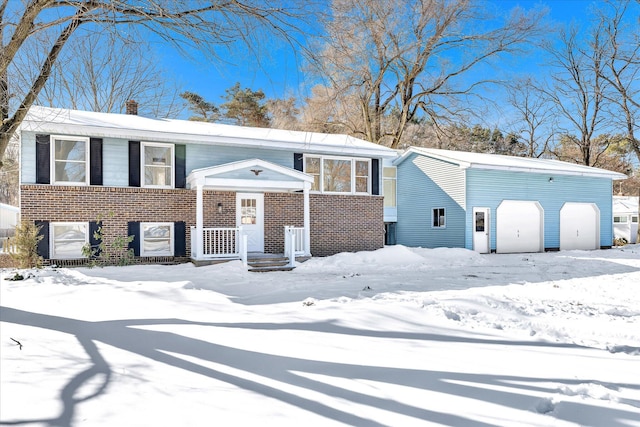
[[433, 216], [87, 169], [621, 219], [52, 238], [634, 219], [393, 180], [172, 156], [172, 238], [352, 161]]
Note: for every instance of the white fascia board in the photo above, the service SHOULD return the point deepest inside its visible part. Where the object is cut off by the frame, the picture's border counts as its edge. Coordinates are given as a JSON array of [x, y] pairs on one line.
[[252, 184], [178, 137], [595, 173]]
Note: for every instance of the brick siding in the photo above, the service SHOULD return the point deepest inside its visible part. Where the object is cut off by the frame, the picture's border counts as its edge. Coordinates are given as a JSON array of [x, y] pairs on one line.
[[338, 222], [346, 223]]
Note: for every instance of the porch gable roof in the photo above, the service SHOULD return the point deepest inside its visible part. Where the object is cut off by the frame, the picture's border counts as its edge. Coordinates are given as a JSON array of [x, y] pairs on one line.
[[251, 174]]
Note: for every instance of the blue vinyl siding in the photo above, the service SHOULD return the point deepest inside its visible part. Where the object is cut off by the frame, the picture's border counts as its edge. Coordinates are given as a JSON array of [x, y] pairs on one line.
[[28, 158], [115, 158], [203, 156], [487, 188], [419, 194]]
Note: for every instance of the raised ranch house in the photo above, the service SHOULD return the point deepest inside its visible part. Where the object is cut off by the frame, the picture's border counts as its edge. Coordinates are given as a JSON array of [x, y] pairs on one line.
[[494, 203], [193, 190]]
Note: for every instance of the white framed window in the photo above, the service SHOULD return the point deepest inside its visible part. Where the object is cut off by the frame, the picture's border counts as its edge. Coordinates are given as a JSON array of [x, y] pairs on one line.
[[312, 167], [157, 239], [438, 218], [362, 170], [248, 212], [389, 180], [336, 175], [67, 239], [343, 175], [157, 165], [70, 160], [634, 219], [620, 219]]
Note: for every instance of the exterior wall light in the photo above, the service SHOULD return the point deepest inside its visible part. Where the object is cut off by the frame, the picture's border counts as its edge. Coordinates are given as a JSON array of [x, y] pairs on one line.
[[219, 207]]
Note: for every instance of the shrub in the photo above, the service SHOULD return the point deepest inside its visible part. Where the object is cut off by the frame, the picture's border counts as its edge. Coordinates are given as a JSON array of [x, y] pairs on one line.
[[25, 244], [102, 254]]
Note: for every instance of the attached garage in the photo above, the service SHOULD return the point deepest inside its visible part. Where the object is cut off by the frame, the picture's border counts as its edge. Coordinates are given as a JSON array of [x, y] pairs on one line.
[[503, 204], [579, 226], [519, 227]]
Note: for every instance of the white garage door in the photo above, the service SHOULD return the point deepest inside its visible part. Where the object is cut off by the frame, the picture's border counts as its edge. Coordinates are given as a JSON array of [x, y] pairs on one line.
[[519, 227], [579, 226]]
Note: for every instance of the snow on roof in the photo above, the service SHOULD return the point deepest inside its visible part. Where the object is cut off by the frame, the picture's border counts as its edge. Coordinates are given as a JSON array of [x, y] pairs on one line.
[[11, 208], [510, 163], [625, 204], [85, 123]]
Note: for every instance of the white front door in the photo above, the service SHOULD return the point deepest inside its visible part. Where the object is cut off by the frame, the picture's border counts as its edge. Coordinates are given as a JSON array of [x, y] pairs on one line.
[[250, 216], [481, 227]]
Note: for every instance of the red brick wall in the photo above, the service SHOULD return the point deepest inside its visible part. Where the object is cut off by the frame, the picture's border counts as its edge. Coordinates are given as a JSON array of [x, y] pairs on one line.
[[281, 209], [6, 261], [84, 204], [346, 223], [338, 222]]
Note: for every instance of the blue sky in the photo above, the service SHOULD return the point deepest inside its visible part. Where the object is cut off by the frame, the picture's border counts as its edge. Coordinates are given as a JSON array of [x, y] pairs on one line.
[[276, 71]]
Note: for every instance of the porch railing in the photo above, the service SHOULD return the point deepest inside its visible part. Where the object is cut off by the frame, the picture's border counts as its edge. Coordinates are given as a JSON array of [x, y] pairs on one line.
[[227, 242], [6, 247], [298, 239]]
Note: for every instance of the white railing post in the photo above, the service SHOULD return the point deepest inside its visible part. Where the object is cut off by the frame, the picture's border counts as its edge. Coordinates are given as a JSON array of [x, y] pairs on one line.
[[292, 248], [243, 255], [286, 241]]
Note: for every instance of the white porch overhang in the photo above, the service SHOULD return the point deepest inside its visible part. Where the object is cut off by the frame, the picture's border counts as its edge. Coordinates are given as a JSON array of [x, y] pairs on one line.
[[253, 175]]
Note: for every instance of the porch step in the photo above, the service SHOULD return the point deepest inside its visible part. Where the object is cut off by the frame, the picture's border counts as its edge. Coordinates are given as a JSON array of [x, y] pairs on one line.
[[265, 264]]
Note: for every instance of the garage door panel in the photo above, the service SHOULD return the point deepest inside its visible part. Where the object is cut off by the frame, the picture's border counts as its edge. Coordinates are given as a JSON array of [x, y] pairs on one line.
[[579, 226], [519, 227]]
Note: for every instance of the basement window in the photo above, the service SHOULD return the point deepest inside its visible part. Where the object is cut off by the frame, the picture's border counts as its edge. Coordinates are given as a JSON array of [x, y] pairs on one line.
[[68, 238], [157, 239]]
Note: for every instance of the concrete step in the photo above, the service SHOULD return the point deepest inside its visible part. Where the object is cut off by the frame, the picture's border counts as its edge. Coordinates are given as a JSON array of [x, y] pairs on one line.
[[268, 263], [269, 269]]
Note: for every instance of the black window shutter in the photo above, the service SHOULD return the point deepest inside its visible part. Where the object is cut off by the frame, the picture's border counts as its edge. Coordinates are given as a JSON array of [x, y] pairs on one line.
[[133, 229], [298, 162], [375, 177], [43, 159], [180, 239], [95, 161], [43, 244], [134, 163], [95, 243], [181, 171]]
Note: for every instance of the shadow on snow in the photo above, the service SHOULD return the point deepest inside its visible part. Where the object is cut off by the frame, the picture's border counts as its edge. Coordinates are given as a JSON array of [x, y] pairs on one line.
[[156, 345]]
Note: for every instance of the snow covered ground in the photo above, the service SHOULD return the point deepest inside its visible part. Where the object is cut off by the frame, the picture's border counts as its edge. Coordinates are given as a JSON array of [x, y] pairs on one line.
[[395, 337]]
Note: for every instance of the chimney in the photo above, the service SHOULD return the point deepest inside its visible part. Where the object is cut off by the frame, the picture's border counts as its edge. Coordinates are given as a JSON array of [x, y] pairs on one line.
[[132, 107]]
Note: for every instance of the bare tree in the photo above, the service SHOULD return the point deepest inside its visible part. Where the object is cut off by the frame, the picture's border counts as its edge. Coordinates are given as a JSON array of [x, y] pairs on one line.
[[283, 113], [413, 56], [101, 72], [577, 91], [534, 121], [622, 65], [197, 24]]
